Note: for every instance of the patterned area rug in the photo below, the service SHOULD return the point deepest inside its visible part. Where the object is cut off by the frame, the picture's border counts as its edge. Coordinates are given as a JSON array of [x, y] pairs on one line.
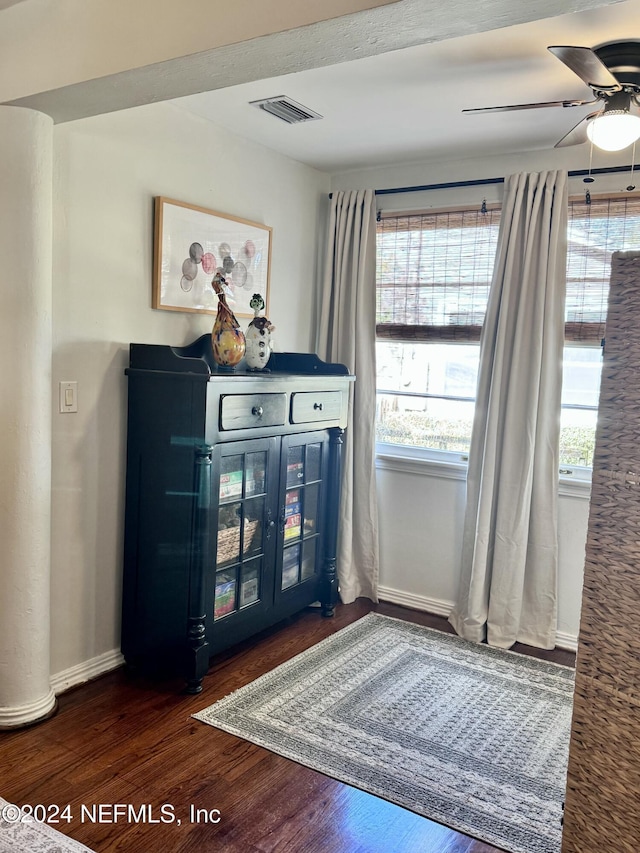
[[20, 833], [472, 737]]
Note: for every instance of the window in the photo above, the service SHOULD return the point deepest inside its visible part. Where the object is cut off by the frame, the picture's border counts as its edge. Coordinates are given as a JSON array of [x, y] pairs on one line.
[[433, 276]]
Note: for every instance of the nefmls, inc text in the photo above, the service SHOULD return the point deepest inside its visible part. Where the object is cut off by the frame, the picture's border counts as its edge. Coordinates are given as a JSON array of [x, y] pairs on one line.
[[106, 813], [146, 813]]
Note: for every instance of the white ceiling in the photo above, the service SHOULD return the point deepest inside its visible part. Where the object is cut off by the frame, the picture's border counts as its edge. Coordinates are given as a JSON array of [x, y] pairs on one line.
[[406, 105]]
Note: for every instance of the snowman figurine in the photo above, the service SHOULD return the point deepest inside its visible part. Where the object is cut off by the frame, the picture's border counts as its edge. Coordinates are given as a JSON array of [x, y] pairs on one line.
[[258, 336]]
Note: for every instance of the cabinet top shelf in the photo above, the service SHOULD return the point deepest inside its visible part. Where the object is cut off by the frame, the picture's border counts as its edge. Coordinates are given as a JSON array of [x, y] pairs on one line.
[[197, 358]]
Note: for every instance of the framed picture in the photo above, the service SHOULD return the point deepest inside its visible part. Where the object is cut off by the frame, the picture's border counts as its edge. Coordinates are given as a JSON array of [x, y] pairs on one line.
[[192, 243]]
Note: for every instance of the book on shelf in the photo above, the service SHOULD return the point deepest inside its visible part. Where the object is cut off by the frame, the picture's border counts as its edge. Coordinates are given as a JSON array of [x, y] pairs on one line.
[[292, 509], [254, 486], [225, 596], [291, 555], [292, 526], [249, 588], [255, 480], [290, 563], [295, 472], [230, 485], [289, 573]]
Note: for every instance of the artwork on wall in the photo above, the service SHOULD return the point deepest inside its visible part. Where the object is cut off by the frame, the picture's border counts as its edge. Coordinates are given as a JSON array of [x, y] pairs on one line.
[[192, 244]]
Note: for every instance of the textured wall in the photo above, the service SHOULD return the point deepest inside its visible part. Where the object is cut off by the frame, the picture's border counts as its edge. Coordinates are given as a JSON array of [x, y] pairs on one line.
[[25, 448], [85, 57]]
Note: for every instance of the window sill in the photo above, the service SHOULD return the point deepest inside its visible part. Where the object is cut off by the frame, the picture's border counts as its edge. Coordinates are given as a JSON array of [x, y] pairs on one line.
[[406, 464], [411, 460]]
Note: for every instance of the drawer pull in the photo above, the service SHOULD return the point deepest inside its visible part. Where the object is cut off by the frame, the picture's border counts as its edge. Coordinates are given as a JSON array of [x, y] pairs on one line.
[[258, 411], [318, 406]]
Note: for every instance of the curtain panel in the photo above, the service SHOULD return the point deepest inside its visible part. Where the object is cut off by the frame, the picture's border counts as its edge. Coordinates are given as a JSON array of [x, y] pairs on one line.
[[510, 552], [347, 335]]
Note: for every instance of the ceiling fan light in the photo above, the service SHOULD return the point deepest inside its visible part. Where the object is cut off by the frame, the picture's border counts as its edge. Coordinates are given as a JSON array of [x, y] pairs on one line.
[[614, 130]]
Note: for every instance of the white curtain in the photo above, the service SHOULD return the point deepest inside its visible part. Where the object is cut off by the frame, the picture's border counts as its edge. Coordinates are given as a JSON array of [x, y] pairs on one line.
[[347, 335], [509, 553]]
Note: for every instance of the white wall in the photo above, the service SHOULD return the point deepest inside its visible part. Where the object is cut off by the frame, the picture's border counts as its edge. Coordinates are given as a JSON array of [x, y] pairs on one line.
[[421, 518], [421, 515], [106, 172]]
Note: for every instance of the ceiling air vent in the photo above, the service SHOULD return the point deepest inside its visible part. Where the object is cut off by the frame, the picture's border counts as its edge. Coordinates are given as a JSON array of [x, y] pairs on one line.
[[286, 109]]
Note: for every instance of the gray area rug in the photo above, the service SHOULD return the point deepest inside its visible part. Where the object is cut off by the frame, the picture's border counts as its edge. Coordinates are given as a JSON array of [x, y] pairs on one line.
[[20, 833], [472, 737]]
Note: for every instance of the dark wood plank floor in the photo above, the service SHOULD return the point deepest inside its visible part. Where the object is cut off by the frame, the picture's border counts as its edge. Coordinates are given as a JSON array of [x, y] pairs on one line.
[[127, 740]]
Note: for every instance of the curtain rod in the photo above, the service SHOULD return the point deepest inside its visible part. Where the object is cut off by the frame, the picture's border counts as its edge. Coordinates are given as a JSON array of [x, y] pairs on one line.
[[483, 181]]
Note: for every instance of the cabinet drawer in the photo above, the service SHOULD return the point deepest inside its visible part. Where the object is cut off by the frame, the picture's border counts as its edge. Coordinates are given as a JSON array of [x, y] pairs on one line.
[[315, 406], [243, 411]]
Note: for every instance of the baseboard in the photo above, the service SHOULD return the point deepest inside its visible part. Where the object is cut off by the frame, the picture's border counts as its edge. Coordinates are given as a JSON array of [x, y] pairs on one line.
[[94, 667], [85, 671], [441, 607], [417, 602], [566, 641]]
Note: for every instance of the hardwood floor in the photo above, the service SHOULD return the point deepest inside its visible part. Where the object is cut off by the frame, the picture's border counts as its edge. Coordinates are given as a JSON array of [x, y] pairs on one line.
[[128, 740]]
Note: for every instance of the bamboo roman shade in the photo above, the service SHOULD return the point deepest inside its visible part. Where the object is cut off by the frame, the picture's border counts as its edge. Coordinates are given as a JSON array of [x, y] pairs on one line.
[[595, 230], [433, 274], [434, 270]]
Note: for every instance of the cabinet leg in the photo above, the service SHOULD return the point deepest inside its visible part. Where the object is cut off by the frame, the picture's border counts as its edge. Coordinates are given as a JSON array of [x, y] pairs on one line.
[[197, 662], [329, 586], [329, 594]]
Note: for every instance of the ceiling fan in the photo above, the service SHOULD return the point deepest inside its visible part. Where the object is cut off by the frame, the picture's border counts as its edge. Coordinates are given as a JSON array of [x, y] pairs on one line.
[[612, 72]]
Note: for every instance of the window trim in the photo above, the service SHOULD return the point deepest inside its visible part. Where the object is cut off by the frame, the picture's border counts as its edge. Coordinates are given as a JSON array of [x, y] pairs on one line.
[[448, 465]]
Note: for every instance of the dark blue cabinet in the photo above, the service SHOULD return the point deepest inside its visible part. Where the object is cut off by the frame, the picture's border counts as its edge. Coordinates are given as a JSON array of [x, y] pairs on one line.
[[232, 495]]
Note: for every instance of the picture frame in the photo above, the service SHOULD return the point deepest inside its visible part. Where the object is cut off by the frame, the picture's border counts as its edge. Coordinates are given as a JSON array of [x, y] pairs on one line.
[[192, 243]]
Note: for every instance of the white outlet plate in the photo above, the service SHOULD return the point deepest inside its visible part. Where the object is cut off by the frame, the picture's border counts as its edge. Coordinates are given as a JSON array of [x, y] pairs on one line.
[[68, 396]]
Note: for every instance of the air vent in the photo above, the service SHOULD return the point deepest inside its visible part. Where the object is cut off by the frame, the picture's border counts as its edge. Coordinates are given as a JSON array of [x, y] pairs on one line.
[[286, 109]]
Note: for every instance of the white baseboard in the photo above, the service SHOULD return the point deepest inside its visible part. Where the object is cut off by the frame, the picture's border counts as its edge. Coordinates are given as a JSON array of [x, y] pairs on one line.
[[17, 716], [86, 670], [441, 607], [418, 602], [94, 667], [566, 641]]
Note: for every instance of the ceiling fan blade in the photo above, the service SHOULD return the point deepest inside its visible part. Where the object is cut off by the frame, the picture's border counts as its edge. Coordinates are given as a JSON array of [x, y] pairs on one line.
[[578, 134], [535, 106], [587, 65]]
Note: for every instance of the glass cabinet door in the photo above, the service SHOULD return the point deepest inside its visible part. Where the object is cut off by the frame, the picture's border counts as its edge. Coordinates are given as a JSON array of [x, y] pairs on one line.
[[304, 460], [245, 490]]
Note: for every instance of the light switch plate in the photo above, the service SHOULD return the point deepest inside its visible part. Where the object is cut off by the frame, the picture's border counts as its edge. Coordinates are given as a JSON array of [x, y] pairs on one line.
[[68, 396]]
